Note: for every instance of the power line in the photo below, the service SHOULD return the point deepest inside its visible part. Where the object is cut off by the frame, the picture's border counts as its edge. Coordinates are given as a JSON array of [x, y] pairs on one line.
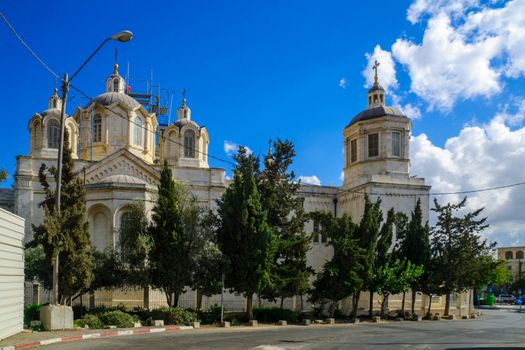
[[33, 53], [433, 194], [29, 48], [231, 163]]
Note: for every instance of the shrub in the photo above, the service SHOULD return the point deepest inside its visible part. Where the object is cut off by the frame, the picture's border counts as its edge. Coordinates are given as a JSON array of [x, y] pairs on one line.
[[92, 321], [274, 314], [31, 313], [211, 315], [117, 318], [174, 316]]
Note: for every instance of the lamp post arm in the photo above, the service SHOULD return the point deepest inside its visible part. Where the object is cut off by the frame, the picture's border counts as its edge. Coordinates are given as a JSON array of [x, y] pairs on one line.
[[89, 58]]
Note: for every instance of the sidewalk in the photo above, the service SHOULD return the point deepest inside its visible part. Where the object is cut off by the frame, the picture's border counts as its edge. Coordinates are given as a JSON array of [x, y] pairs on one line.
[[26, 340], [519, 308]]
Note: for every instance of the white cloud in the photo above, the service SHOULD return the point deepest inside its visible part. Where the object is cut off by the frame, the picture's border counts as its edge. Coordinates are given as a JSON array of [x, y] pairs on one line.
[[411, 111], [455, 8], [342, 176], [386, 71], [480, 157], [467, 49], [310, 180], [230, 148], [343, 83], [448, 65]]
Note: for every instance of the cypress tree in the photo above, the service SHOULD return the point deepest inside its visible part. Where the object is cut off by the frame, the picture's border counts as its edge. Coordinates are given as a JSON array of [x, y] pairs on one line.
[[66, 235], [169, 256], [245, 239], [415, 247], [383, 255], [366, 236], [341, 277], [286, 216]]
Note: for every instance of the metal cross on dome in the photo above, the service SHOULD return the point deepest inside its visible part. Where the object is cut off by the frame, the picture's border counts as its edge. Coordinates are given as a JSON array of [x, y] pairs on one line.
[[374, 67]]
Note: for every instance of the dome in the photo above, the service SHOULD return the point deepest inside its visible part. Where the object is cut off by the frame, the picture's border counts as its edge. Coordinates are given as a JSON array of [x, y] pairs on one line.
[[376, 87], [377, 112], [109, 98], [181, 122], [122, 179]]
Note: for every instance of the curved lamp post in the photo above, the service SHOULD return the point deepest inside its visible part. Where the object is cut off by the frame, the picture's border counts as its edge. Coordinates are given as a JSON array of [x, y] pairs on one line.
[[123, 36]]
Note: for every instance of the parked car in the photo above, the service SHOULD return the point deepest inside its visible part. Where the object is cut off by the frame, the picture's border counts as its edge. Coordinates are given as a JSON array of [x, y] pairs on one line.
[[506, 299]]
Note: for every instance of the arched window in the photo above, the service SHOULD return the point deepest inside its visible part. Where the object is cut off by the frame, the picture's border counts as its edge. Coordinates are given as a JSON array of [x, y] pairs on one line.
[[508, 255], [138, 132], [115, 85], [126, 222], [519, 254], [53, 134], [189, 144], [54, 103], [97, 128]]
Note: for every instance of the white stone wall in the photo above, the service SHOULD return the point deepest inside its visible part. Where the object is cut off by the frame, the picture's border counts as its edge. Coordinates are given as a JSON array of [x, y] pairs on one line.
[[11, 274]]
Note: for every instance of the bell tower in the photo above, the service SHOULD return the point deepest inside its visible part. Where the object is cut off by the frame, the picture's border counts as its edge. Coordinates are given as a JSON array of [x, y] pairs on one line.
[[376, 140]]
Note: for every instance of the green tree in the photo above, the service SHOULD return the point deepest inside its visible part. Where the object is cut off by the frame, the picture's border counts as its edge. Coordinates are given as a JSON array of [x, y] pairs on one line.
[[278, 188], [341, 277], [458, 249], [396, 277], [244, 237], [415, 247], [170, 259], [208, 261], [37, 266], [3, 175], [135, 245], [66, 235], [383, 255], [366, 235]]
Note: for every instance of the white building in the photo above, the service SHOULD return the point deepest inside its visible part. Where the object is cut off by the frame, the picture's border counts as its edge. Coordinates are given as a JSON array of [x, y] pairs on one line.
[[113, 140]]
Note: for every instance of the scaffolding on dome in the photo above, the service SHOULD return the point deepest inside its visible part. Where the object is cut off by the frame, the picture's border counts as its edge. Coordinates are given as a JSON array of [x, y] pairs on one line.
[[153, 97]]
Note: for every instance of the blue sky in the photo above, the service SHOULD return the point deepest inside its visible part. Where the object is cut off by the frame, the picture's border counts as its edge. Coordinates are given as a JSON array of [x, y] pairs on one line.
[[255, 70]]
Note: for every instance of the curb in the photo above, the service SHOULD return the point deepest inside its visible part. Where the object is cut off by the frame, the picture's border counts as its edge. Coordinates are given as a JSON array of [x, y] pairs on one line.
[[116, 333]]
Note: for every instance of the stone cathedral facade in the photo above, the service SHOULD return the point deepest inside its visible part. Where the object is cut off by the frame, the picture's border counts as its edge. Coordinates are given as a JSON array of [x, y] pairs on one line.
[[117, 153]]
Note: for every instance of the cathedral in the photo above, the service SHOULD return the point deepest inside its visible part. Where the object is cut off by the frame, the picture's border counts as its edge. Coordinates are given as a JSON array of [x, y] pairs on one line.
[[118, 148]]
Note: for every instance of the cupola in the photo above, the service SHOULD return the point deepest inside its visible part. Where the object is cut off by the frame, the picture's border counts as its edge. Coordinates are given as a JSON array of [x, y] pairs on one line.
[[115, 83], [54, 101], [376, 94], [184, 112]]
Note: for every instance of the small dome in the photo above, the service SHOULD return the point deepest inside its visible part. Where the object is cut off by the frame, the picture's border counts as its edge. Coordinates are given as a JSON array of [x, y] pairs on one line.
[[376, 87], [377, 112], [122, 179], [108, 98]]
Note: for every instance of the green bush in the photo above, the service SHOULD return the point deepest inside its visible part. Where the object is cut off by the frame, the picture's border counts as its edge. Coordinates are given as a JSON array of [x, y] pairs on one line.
[[31, 313], [174, 316], [211, 315], [92, 321], [274, 314], [117, 318]]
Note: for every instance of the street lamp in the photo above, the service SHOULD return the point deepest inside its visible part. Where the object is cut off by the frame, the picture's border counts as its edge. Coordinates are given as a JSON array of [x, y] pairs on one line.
[[123, 36]]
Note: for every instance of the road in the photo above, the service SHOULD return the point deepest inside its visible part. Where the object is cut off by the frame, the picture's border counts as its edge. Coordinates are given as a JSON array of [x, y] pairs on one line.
[[496, 329]]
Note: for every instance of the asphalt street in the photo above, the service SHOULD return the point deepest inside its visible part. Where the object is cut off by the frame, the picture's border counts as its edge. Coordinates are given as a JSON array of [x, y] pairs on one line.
[[496, 329]]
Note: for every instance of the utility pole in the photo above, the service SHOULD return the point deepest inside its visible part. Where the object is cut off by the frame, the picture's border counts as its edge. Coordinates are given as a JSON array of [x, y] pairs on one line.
[[123, 36], [56, 259]]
